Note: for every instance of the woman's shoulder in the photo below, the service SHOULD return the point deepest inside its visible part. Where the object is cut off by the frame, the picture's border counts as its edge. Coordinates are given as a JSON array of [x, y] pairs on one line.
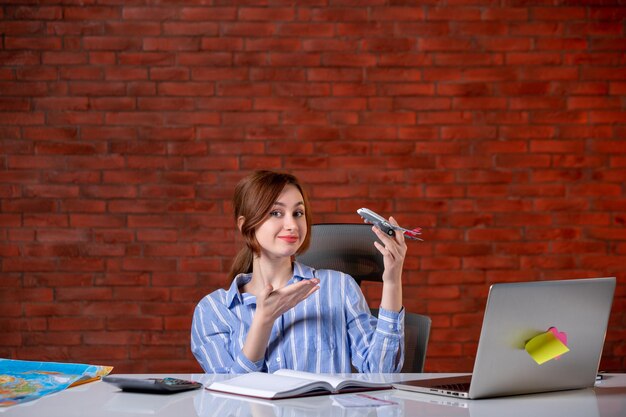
[[217, 294], [216, 297]]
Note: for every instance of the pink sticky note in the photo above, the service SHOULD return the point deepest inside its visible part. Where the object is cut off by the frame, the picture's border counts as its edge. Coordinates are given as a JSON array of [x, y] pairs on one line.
[[562, 336]]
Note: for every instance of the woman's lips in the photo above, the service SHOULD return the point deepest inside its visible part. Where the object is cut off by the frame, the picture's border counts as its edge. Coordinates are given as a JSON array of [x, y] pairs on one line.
[[289, 239]]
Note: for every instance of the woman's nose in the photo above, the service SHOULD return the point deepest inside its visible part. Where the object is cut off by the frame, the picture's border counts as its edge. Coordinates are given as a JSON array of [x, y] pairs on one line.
[[290, 222]]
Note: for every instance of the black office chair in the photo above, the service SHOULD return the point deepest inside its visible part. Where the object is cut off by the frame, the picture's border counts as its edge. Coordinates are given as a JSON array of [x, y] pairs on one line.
[[347, 248], [416, 334], [350, 248]]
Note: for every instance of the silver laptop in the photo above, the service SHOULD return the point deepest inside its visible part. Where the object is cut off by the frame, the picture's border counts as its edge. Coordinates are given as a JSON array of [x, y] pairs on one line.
[[517, 312]]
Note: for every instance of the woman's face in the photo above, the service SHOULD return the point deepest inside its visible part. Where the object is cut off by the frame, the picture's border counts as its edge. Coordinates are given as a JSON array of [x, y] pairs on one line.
[[285, 228]]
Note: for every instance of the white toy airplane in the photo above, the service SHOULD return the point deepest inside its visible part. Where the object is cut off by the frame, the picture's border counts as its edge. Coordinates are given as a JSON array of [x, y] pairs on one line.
[[379, 221]]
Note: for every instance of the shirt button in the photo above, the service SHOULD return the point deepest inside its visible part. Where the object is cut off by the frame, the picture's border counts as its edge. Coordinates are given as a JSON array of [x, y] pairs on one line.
[[277, 359]]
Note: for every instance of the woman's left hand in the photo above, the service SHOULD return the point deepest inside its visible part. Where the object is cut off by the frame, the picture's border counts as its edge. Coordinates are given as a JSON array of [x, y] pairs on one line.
[[393, 250]]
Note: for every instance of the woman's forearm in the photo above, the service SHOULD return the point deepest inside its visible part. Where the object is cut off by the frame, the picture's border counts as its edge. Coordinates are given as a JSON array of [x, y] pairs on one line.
[[256, 341]]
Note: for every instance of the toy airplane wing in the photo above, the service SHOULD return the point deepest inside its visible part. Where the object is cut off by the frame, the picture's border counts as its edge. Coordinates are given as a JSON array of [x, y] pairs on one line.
[[379, 221]]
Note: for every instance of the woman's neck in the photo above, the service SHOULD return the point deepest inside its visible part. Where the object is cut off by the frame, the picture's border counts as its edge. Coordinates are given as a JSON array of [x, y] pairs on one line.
[[268, 271]]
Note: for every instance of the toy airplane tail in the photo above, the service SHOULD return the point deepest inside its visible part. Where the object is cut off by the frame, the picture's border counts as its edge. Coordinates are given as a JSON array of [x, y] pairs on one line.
[[413, 233]]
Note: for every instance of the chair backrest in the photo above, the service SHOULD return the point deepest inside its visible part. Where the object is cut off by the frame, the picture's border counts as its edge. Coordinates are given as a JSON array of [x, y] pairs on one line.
[[416, 334], [350, 248], [347, 248]]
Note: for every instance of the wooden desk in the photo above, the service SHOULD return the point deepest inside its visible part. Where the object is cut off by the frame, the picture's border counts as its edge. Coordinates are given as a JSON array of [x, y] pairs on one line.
[[99, 399]]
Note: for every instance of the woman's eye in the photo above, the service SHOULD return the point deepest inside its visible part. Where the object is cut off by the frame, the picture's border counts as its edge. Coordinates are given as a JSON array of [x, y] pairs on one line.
[[275, 213], [299, 214]]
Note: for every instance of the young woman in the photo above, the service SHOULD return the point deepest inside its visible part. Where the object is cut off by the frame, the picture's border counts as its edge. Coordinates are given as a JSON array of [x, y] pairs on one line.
[[279, 313]]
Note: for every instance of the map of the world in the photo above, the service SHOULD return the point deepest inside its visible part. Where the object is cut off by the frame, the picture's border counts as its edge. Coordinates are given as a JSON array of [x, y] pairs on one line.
[[22, 381]]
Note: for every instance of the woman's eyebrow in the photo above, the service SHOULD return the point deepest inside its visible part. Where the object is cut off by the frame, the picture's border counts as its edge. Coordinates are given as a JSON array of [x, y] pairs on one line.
[[278, 203]]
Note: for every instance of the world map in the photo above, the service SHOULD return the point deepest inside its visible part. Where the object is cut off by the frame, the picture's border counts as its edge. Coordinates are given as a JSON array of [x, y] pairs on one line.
[[23, 381]]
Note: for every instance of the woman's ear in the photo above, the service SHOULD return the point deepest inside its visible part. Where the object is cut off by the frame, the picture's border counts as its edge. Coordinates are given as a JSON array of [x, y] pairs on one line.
[[240, 221]]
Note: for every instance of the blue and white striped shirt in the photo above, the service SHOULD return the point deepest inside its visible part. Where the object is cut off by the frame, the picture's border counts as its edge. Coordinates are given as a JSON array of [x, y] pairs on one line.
[[325, 333]]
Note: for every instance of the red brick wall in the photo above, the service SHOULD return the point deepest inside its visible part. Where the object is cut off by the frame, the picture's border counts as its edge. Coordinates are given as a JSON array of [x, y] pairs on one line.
[[498, 126]]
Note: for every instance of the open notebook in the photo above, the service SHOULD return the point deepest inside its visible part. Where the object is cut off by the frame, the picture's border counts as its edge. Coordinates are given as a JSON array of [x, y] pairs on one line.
[[536, 337], [286, 383]]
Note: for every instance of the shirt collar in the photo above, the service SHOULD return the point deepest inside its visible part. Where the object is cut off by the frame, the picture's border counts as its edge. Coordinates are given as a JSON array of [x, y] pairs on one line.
[[233, 293], [300, 272]]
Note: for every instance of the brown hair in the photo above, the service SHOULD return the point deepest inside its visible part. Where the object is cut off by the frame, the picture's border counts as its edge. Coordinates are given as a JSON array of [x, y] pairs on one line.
[[254, 198]]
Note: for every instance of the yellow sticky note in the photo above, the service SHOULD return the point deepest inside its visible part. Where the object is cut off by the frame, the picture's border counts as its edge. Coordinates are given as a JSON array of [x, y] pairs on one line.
[[544, 347]]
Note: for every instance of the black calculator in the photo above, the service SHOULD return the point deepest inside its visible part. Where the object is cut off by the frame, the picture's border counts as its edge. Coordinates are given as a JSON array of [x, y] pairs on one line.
[[152, 385]]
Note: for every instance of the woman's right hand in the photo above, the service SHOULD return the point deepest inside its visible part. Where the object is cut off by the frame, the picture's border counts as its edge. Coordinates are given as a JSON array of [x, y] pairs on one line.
[[271, 303]]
